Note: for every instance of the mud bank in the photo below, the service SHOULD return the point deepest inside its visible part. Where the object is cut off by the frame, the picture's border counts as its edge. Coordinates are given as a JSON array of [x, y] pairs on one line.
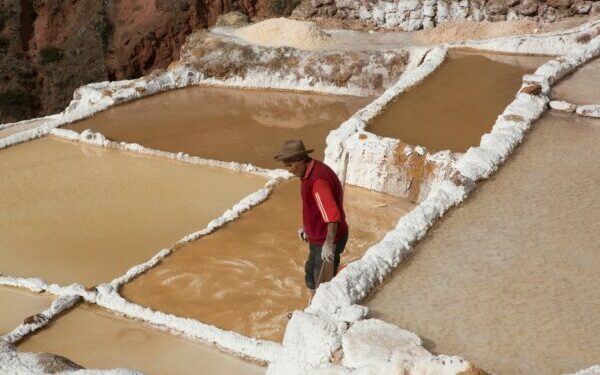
[[247, 276], [95, 199], [514, 292], [95, 338], [246, 126]]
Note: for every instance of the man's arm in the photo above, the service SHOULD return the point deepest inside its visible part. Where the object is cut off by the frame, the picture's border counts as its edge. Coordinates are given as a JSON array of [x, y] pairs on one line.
[[330, 214]]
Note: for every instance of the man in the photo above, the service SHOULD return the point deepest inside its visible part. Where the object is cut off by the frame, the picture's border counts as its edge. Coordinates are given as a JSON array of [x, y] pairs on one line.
[[324, 222]]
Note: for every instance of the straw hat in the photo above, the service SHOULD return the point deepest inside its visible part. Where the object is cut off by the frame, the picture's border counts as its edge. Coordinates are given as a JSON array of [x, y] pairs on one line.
[[292, 149]]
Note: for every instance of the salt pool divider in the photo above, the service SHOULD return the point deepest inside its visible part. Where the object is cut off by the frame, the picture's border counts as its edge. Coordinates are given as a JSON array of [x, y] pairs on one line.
[[335, 303]]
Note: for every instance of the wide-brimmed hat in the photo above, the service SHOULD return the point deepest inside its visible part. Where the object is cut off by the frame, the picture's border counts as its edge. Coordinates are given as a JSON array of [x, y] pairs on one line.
[[292, 149]]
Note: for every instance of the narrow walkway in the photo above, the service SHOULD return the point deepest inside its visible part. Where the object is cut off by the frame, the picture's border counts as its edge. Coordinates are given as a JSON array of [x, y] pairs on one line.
[[510, 280]]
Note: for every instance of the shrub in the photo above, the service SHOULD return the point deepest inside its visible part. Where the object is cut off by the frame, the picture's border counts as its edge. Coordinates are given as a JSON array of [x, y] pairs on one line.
[[51, 54], [4, 15], [3, 44]]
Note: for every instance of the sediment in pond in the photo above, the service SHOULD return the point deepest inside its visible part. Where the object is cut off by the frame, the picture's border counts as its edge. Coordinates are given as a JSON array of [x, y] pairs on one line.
[[509, 280], [242, 125], [457, 104], [247, 276], [78, 213], [95, 338], [17, 304], [577, 89]]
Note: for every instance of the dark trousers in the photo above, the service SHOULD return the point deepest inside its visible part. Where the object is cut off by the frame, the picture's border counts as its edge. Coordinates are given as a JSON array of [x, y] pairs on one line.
[[313, 264]]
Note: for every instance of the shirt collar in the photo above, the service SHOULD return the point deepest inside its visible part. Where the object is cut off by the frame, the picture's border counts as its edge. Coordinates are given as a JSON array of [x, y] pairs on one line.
[[308, 169]]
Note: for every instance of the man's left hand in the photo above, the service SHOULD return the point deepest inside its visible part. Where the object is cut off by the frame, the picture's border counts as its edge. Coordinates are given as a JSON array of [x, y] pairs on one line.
[[327, 252]]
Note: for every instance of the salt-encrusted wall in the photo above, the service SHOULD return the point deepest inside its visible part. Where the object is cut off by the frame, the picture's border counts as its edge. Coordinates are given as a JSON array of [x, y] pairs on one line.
[[394, 167], [410, 15]]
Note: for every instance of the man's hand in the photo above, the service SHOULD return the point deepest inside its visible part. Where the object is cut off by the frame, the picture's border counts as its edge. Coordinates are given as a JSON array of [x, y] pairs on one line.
[[302, 235], [327, 252]]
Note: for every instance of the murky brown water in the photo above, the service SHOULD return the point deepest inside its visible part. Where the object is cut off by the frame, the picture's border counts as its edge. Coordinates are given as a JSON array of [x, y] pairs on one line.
[[510, 280], [248, 275], [247, 126], [78, 213], [456, 104], [17, 304], [581, 87], [95, 338]]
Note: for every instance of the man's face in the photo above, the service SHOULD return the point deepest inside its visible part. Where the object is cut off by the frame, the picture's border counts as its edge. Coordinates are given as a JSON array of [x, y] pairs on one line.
[[297, 168]]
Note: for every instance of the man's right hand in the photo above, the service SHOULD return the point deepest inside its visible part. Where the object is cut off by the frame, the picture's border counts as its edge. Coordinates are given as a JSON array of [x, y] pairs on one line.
[[302, 235]]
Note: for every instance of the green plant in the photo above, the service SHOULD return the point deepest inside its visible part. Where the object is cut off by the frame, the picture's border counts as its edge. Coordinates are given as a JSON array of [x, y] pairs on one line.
[[51, 54], [283, 7], [3, 43], [4, 15]]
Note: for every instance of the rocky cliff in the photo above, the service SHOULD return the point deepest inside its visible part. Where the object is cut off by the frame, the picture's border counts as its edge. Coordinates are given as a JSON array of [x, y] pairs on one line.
[[50, 47], [410, 15]]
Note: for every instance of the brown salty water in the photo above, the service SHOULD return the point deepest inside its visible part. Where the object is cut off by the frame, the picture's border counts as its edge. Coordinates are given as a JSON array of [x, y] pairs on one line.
[[510, 279], [246, 126], [249, 275], [581, 87], [95, 338], [456, 104], [17, 304], [80, 213]]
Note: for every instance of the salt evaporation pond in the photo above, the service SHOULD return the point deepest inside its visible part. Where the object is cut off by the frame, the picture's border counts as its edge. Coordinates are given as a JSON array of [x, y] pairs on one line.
[[17, 304], [246, 126], [510, 279], [80, 213], [458, 103], [247, 276], [582, 87], [95, 338]]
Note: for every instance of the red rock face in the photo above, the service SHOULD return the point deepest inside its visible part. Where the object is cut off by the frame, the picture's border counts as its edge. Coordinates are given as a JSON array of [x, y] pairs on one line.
[[48, 48]]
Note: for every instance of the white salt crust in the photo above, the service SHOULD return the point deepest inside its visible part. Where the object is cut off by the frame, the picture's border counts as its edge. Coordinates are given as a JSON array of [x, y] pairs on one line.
[[40, 320], [552, 43], [337, 300], [357, 154], [106, 295], [14, 362], [586, 110], [324, 323]]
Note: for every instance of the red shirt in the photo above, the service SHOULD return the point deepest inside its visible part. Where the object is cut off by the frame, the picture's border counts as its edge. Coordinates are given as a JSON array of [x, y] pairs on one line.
[[322, 202]]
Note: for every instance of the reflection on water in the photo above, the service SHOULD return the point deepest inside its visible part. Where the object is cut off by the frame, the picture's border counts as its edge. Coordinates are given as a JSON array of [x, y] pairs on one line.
[[249, 275], [95, 338], [78, 213], [456, 104], [510, 279], [246, 126]]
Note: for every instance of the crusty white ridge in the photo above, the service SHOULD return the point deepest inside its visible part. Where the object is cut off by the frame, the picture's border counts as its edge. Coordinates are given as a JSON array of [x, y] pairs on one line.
[[335, 303], [362, 156]]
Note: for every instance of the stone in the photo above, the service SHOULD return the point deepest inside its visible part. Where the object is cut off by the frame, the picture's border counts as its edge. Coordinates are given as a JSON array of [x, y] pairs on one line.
[[590, 110], [232, 19], [304, 11], [534, 89], [560, 105], [318, 3], [582, 7], [559, 4], [496, 7], [528, 7], [595, 8]]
